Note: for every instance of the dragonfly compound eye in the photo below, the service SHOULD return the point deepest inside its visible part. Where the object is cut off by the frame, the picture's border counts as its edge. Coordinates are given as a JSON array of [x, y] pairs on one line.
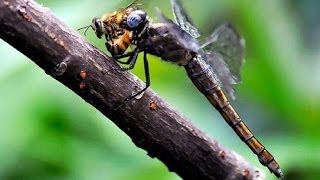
[[136, 18]]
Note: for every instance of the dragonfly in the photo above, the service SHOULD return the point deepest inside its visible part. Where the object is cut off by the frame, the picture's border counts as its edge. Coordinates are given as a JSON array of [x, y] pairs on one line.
[[215, 70], [213, 64]]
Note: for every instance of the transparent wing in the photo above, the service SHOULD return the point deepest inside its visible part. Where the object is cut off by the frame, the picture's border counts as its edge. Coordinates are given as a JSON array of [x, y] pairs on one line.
[[224, 52], [221, 72], [177, 33], [182, 19]]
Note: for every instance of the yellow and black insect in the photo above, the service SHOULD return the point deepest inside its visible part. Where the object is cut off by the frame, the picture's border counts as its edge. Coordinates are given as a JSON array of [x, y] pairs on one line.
[[114, 26]]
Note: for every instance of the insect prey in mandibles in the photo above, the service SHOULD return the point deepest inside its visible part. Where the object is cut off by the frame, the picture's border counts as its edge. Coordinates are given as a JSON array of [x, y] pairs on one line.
[[213, 65]]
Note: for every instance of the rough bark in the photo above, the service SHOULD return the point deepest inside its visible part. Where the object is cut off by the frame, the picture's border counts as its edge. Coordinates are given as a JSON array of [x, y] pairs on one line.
[[150, 122]]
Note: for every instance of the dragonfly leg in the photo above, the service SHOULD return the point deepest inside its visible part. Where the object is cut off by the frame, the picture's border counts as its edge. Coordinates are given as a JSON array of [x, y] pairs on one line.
[[131, 60], [147, 76], [128, 54], [147, 81]]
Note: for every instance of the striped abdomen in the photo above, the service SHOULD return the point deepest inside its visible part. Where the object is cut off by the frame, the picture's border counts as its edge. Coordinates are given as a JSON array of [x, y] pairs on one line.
[[120, 43], [201, 75]]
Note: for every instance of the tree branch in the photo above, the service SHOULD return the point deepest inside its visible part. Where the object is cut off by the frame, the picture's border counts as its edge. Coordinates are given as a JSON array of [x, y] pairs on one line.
[[150, 122]]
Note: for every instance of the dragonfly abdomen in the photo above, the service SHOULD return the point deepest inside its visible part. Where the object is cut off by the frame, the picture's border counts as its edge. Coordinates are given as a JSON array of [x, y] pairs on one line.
[[202, 77]]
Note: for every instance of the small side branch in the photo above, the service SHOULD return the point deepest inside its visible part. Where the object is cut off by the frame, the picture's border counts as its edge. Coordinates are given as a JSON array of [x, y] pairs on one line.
[[150, 122]]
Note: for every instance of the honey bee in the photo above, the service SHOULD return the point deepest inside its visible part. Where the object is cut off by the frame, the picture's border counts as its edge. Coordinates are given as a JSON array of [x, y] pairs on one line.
[[114, 26], [119, 44]]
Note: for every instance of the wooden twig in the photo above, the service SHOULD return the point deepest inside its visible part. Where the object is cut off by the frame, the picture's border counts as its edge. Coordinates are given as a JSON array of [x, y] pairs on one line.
[[150, 122]]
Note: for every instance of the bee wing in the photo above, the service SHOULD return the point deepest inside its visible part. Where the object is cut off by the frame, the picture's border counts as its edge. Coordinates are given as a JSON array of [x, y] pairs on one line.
[[182, 19], [224, 52]]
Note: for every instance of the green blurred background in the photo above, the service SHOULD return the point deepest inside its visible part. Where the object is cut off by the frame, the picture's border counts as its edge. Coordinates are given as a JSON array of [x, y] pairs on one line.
[[47, 132]]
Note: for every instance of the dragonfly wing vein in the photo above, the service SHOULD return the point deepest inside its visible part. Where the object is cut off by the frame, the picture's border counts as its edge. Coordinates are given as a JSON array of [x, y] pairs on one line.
[[182, 19], [226, 41], [221, 72]]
